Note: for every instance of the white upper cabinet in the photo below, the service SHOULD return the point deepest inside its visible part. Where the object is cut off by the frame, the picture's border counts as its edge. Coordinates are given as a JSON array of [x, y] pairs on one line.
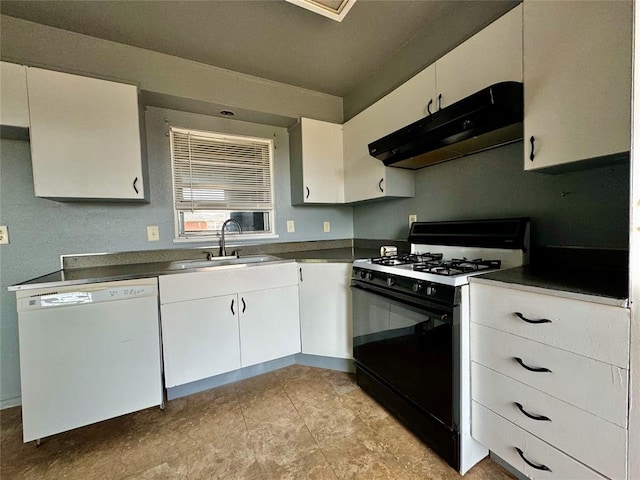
[[366, 177], [317, 174], [85, 137], [577, 76], [491, 56], [14, 110], [411, 101]]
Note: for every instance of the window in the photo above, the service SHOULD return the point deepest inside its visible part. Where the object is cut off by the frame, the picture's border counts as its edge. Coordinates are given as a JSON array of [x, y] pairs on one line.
[[217, 177]]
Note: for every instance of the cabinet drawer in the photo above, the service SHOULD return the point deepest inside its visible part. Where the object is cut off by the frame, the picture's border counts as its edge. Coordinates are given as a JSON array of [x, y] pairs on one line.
[[225, 281], [585, 437], [593, 330], [502, 437], [594, 386]]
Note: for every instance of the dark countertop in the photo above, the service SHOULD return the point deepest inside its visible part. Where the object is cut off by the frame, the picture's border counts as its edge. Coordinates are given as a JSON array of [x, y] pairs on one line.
[[606, 287], [110, 273]]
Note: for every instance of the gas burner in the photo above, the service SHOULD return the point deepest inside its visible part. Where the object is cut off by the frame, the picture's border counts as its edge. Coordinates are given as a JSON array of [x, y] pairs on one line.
[[407, 258], [456, 266]]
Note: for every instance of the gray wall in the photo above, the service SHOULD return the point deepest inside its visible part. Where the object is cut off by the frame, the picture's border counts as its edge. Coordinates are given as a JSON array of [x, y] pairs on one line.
[[41, 230], [584, 208], [168, 81]]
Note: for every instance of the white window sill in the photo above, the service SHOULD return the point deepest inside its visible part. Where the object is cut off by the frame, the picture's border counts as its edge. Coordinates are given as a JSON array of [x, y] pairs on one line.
[[230, 240]]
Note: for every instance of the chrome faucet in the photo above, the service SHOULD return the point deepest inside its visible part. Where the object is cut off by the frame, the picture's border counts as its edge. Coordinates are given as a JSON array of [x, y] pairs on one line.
[[223, 251]]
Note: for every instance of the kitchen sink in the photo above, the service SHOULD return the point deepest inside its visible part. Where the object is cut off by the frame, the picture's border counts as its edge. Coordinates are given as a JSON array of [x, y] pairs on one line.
[[221, 261]]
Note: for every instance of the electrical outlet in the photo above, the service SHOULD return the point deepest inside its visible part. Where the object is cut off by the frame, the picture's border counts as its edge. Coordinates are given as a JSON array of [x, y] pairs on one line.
[[327, 227], [291, 226], [153, 235], [4, 235], [413, 218]]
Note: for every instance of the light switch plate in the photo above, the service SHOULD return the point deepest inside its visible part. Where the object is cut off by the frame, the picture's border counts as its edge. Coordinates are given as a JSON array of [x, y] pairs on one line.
[[4, 235], [327, 227], [413, 218], [291, 227], [153, 235]]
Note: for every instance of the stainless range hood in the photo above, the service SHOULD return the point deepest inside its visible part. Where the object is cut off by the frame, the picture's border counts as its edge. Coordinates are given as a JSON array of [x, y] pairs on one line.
[[486, 119]]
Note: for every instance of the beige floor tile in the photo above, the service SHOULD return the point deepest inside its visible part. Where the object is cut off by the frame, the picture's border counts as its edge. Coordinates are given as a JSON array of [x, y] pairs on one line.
[[281, 442], [235, 459], [296, 423], [311, 467]]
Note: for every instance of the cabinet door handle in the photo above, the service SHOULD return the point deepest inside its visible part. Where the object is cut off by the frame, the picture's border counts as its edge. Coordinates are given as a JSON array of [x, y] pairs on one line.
[[135, 186], [532, 416], [429, 106], [308, 192], [439, 101], [232, 302], [531, 369], [380, 185], [300, 273], [244, 305], [531, 464], [528, 320], [532, 155]]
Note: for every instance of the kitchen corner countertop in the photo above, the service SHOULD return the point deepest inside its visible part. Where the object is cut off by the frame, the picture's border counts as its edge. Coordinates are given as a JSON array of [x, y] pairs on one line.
[[110, 273], [607, 288]]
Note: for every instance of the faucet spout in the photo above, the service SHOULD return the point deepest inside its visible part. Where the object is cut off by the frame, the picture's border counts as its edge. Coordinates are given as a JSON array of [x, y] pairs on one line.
[[223, 250]]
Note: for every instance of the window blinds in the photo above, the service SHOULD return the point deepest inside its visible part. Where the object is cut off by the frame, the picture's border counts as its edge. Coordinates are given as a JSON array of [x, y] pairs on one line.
[[220, 172]]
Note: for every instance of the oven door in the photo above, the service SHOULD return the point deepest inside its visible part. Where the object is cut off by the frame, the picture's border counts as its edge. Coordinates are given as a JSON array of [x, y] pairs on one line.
[[408, 345]]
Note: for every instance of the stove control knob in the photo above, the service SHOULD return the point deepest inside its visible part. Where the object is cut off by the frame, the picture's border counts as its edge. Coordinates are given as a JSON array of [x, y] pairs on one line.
[[362, 273], [431, 290], [390, 281], [416, 287], [369, 276]]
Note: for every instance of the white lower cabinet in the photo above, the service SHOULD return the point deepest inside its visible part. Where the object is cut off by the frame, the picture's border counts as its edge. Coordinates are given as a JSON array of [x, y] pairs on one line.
[[530, 455], [549, 382], [215, 322], [201, 339], [269, 325], [325, 309]]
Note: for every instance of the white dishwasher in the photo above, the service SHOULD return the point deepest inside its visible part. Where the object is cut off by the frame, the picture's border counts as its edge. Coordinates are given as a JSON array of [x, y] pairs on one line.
[[87, 353]]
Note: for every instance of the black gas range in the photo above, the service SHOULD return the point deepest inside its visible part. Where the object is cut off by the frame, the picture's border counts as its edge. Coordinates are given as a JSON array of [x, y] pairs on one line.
[[411, 326]]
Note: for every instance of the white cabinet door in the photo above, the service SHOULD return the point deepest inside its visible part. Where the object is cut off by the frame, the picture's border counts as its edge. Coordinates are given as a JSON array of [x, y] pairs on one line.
[[269, 324], [200, 339], [492, 55], [577, 76], [411, 101], [85, 137], [13, 95], [325, 309], [316, 162], [366, 177]]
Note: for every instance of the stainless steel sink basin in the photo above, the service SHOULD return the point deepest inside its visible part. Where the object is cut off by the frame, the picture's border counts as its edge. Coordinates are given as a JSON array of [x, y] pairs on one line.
[[221, 261]]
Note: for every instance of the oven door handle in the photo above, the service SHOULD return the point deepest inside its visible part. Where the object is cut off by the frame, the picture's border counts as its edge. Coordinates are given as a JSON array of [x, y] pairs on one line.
[[444, 311]]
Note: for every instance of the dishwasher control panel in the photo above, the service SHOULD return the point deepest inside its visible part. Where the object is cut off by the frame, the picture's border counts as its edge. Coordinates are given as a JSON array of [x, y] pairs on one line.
[[85, 295]]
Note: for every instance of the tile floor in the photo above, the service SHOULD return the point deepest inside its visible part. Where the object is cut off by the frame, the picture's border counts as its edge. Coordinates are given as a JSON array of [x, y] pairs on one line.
[[295, 423]]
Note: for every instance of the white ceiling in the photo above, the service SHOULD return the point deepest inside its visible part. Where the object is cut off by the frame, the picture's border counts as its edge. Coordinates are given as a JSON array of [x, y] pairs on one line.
[[272, 39]]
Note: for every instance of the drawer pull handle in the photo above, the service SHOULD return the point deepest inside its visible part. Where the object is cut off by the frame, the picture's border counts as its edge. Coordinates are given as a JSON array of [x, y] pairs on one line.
[[532, 416], [531, 369], [528, 320], [531, 464]]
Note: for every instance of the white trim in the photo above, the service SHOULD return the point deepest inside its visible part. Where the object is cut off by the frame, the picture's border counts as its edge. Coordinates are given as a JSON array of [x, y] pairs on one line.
[[216, 238], [316, 7], [10, 402]]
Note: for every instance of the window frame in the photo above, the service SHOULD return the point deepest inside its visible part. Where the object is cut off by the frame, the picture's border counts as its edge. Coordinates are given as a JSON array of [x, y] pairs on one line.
[[178, 221]]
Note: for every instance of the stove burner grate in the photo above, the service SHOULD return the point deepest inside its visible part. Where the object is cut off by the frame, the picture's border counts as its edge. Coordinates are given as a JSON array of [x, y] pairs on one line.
[[456, 266], [407, 258]]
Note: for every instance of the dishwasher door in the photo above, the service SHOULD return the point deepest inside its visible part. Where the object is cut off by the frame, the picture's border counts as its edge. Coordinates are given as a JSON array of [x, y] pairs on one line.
[[87, 353]]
